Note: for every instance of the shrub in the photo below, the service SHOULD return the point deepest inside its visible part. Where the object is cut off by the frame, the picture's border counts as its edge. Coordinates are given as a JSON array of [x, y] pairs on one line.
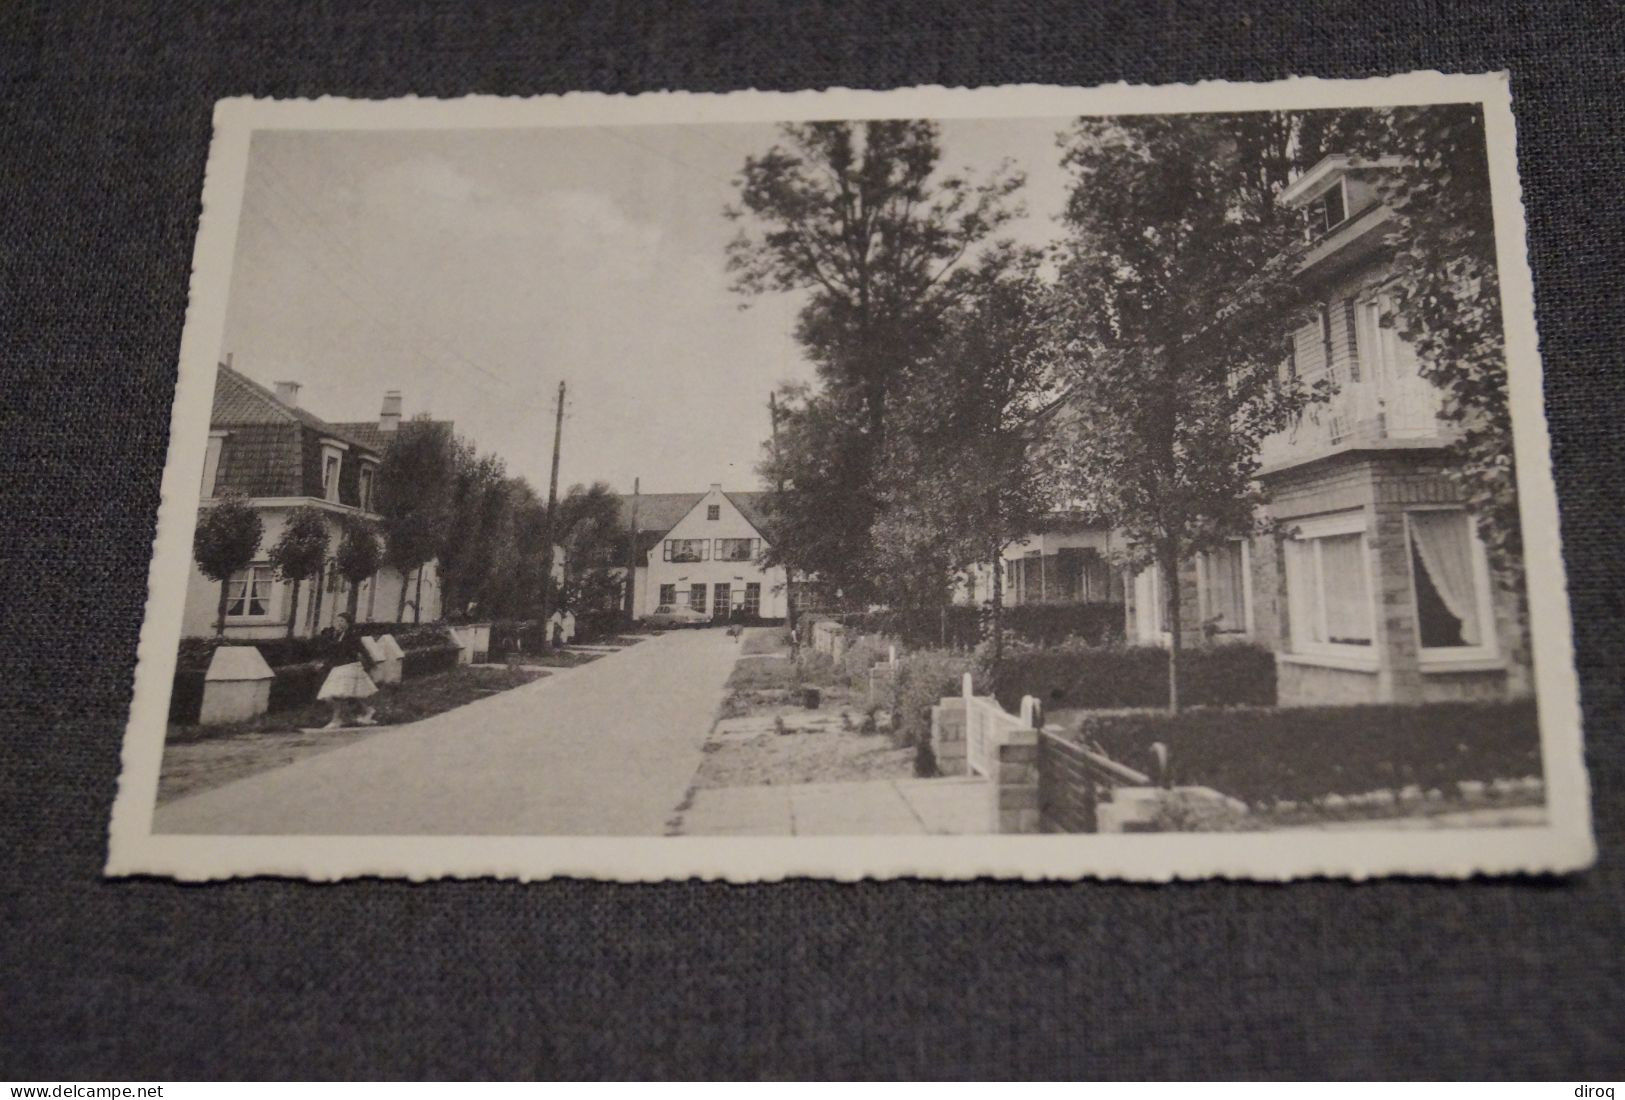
[[923, 679], [861, 654], [963, 627], [1105, 678], [296, 685], [425, 660], [1264, 755]]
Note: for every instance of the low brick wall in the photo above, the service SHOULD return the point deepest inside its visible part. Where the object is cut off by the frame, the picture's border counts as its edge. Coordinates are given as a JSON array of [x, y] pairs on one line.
[[1066, 794]]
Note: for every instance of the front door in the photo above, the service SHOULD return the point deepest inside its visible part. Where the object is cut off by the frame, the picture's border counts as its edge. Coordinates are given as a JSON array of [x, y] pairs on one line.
[[721, 600]]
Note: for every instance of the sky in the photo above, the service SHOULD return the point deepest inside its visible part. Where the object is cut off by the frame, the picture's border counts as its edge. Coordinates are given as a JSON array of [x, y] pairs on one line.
[[473, 270]]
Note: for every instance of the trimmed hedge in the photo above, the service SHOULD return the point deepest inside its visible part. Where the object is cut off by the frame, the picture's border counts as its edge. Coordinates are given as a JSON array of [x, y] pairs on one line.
[[1108, 678], [427, 660], [1267, 755], [963, 627], [923, 679]]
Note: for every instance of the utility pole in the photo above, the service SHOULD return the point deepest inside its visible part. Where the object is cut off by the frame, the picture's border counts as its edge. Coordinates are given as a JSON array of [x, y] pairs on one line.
[[632, 557], [547, 523], [789, 573]]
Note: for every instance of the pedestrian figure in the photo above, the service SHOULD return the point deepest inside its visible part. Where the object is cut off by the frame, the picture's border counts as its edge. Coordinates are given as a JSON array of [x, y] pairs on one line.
[[348, 688]]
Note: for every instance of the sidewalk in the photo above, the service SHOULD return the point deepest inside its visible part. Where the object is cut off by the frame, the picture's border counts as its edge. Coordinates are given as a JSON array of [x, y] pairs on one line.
[[883, 807]]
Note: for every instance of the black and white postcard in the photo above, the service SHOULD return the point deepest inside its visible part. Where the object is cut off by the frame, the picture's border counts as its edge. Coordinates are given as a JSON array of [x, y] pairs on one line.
[[1024, 482]]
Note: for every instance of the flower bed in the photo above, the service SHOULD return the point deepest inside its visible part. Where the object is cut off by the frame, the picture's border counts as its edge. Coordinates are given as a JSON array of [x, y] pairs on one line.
[[1267, 755], [1111, 677]]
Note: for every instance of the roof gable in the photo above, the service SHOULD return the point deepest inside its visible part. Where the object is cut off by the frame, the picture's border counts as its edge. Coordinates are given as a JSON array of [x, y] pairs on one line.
[[239, 400], [660, 512]]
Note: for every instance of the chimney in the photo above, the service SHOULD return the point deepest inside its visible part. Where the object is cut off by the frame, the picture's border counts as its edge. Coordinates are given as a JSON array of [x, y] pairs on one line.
[[288, 394], [389, 418], [716, 486]]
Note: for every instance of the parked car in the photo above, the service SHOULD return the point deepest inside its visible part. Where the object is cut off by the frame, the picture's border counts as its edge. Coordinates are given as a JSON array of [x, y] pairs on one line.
[[669, 615]]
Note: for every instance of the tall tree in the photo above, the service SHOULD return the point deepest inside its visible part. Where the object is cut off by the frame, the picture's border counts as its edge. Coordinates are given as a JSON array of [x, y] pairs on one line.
[[416, 481], [357, 558], [1446, 298], [1174, 281], [857, 219], [967, 483], [225, 542], [590, 530], [300, 554]]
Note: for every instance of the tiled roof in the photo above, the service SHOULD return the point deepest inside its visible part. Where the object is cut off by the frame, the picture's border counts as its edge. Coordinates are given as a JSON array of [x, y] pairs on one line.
[[238, 399], [368, 433], [660, 512]]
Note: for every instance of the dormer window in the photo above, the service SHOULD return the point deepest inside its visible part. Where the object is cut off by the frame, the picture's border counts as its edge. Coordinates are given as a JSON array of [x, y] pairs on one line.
[[367, 471], [211, 462], [1328, 210], [332, 468]]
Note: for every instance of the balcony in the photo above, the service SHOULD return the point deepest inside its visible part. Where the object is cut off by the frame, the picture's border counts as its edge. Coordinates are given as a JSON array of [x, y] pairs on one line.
[[1394, 412]]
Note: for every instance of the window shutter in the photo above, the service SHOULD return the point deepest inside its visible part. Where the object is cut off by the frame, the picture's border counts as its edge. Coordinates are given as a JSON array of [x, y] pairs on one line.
[[1351, 328]]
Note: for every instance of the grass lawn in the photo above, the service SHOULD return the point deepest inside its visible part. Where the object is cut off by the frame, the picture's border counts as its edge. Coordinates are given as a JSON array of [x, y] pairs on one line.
[[199, 757]]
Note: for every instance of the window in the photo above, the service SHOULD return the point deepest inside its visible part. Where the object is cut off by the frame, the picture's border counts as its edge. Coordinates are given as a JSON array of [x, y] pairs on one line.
[[367, 471], [1329, 587], [713, 511], [211, 462], [753, 599], [248, 593], [696, 597], [1150, 614], [1385, 357], [1451, 581], [736, 549], [721, 597], [1224, 588], [1327, 212], [668, 595], [687, 549], [330, 475]]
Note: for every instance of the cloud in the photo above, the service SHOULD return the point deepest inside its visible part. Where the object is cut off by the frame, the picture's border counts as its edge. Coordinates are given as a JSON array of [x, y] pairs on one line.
[[582, 232]]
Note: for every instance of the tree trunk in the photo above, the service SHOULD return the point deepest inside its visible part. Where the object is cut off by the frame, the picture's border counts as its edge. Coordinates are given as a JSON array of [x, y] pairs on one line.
[[353, 602], [293, 607], [220, 620], [417, 600], [316, 603], [998, 607], [1170, 603]]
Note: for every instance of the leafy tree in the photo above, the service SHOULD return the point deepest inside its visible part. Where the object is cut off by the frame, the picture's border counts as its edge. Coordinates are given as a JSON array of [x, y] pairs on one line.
[[1446, 298], [856, 218], [358, 557], [479, 529], [1174, 281], [225, 542], [300, 554], [589, 528], [967, 484], [415, 485]]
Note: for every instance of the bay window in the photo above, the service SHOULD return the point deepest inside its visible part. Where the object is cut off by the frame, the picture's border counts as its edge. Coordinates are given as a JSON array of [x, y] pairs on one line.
[[1328, 580], [1224, 588], [1450, 578]]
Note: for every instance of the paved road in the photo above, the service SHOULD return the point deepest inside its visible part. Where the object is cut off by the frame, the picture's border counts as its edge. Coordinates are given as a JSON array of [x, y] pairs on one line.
[[607, 748]]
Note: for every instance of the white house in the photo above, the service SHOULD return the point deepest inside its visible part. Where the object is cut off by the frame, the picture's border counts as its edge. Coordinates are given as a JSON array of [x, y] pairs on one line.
[[281, 456], [702, 550]]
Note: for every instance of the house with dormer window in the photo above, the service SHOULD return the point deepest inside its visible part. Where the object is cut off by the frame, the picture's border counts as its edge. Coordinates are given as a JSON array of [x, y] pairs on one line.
[[1374, 585], [703, 550], [281, 456]]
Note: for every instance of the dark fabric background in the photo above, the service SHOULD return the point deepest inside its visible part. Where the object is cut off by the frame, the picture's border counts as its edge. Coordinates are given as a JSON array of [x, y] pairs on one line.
[[104, 130]]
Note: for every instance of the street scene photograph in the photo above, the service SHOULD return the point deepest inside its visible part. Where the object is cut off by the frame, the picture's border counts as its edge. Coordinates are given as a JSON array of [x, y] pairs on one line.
[[1059, 475]]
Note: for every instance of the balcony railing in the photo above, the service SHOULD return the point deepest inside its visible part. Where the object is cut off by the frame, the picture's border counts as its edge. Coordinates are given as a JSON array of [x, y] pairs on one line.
[[1361, 414]]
